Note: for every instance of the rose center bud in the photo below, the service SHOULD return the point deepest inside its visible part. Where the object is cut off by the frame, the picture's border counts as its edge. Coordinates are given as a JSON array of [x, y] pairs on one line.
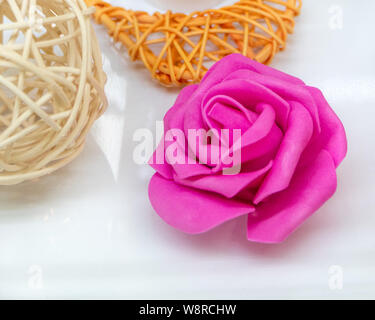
[[240, 135]]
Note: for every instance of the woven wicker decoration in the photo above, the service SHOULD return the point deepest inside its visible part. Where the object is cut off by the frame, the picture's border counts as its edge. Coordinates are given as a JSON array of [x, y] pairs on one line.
[[178, 48], [51, 85]]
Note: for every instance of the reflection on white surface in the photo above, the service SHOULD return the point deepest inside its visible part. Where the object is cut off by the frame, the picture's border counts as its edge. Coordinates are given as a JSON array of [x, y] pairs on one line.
[[79, 233], [108, 131]]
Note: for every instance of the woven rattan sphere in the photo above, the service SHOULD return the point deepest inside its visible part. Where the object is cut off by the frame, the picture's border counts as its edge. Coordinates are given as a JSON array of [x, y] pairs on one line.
[[51, 85], [179, 48]]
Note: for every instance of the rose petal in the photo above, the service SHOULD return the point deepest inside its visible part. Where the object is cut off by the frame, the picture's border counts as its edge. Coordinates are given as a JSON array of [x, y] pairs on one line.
[[332, 136], [190, 114], [185, 171], [283, 212], [175, 116], [174, 119], [261, 127], [233, 62], [288, 91], [300, 129], [223, 113], [266, 147], [189, 210], [261, 140], [229, 114], [263, 137], [218, 72], [250, 94], [226, 185]]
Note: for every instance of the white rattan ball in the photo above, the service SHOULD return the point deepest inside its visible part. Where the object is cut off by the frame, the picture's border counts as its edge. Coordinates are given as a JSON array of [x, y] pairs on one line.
[[51, 85]]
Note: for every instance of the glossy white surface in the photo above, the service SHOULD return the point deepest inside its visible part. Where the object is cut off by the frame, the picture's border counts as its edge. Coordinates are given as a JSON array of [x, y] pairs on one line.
[[88, 231]]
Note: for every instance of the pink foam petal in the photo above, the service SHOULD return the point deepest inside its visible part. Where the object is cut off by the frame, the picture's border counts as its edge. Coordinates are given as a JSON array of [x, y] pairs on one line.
[[186, 112], [261, 139], [172, 119], [261, 127], [175, 116], [332, 137], [188, 166], [164, 169], [229, 117], [216, 75], [233, 62], [300, 129], [185, 171], [185, 167], [266, 146], [288, 91], [189, 210], [221, 112], [250, 94], [159, 163], [284, 212], [226, 185]]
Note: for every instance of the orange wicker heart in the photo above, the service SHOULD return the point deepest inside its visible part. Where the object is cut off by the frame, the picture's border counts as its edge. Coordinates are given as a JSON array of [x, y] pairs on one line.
[[178, 48]]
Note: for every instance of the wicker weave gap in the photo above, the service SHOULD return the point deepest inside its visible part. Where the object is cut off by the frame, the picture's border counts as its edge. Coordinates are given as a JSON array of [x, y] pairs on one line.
[[51, 85], [178, 48]]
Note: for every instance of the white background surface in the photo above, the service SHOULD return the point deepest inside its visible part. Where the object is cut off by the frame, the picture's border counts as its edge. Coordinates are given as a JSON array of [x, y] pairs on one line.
[[88, 231]]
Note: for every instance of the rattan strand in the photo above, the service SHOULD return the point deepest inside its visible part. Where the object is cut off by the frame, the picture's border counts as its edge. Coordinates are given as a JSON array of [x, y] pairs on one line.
[[51, 85], [177, 48]]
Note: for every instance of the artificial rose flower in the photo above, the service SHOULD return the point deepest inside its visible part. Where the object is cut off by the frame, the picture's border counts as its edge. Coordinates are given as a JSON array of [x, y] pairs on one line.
[[291, 143]]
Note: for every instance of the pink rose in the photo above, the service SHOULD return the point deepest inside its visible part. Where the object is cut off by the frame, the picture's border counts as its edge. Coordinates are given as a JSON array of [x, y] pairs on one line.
[[291, 143]]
